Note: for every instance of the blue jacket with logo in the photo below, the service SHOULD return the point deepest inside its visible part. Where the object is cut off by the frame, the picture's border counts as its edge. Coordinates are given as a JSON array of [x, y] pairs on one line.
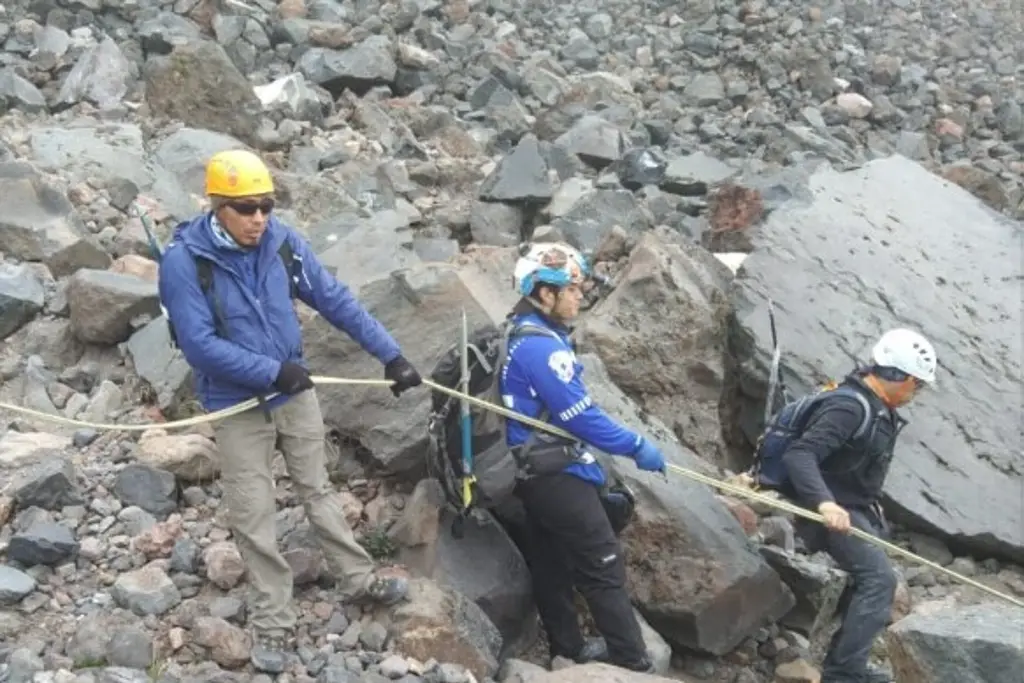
[[252, 287], [542, 370]]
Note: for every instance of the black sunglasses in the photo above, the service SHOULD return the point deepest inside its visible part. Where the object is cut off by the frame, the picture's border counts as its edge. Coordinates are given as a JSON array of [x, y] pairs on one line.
[[264, 206]]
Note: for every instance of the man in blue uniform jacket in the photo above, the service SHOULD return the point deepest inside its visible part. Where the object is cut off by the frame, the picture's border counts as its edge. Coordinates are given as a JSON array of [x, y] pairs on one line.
[[572, 542], [226, 283]]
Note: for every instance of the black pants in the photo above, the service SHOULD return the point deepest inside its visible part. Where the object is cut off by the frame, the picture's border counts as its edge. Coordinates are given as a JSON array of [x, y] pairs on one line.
[[866, 605], [570, 543]]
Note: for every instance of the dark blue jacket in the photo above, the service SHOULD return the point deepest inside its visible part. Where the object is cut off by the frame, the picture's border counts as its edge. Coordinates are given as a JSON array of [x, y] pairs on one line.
[[253, 291], [543, 371]]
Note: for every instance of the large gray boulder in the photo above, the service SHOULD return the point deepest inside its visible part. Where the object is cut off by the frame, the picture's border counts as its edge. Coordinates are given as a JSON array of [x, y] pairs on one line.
[[483, 564], [958, 644], [691, 570], [21, 297], [104, 304], [888, 245], [422, 309], [161, 364], [37, 222]]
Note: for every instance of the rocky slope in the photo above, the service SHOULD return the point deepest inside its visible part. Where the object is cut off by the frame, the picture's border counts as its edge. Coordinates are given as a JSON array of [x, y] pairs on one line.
[[433, 137]]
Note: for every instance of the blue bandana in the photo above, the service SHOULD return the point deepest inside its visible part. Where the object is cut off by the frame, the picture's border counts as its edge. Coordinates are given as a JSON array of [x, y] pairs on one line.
[[222, 237]]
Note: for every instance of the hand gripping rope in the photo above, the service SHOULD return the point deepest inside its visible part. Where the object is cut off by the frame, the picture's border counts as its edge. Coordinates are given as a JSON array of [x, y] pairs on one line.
[[734, 489]]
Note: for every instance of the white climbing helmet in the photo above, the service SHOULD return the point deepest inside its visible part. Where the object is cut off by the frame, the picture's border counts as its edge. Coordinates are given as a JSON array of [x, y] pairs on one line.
[[908, 351], [551, 263]]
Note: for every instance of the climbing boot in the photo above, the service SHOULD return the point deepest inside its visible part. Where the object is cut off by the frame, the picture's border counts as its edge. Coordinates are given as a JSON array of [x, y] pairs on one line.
[[385, 590], [876, 674], [645, 666], [269, 650], [593, 650]]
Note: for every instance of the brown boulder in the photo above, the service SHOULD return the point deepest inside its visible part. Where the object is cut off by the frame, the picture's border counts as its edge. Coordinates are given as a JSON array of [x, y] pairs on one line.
[[441, 620], [692, 571], [199, 85], [229, 645], [139, 266], [661, 336]]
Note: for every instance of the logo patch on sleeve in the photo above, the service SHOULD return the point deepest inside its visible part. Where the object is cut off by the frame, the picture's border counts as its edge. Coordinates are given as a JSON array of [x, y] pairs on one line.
[[563, 365]]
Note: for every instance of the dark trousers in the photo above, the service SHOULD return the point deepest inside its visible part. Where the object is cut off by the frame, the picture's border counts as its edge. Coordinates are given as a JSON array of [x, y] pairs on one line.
[[570, 543], [867, 603]]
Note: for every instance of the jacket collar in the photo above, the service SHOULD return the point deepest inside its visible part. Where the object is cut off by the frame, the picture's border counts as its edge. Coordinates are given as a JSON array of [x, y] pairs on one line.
[[857, 380], [198, 236], [538, 318]]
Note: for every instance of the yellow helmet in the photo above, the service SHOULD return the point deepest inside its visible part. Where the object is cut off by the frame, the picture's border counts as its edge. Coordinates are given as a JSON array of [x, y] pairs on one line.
[[237, 173]]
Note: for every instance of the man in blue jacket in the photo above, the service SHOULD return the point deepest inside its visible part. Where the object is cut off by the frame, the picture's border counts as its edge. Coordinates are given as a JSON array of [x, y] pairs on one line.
[[226, 283], [571, 540]]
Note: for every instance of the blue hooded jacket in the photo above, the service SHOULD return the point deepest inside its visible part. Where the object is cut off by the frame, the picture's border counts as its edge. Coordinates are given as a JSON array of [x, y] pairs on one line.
[[252, 287], [542, 370]]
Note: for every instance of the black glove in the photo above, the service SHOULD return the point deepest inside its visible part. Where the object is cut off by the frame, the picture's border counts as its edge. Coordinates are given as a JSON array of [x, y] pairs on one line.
[[403, 374], [292, 378]]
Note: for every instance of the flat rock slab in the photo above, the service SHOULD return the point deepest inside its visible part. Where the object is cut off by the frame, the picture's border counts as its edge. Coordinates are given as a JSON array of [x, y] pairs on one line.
[[888, 245], [959, 644]]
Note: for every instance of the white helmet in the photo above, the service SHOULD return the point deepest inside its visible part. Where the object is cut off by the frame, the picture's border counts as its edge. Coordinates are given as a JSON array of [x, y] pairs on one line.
[[908, 351], [549, 263]]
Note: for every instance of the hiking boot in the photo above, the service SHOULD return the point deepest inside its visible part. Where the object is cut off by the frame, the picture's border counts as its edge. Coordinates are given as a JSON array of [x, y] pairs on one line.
[[644, 666], [386, 590], [873, 674], [876, 674], [593, 650], [269, 648]]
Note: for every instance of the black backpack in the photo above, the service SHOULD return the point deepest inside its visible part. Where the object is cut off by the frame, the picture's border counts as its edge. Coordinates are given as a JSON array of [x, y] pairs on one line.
[[496, 467]]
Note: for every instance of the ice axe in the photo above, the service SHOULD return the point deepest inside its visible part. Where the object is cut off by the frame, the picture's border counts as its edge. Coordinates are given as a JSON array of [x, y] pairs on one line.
[[774, 380], [154, 244], [466, 423]]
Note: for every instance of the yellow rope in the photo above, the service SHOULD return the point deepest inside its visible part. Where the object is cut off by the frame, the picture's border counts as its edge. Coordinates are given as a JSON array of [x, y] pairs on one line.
[[735, 489]]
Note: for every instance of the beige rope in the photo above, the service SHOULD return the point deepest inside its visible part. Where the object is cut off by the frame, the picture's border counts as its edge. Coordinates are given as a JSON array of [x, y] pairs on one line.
[[735, 489]]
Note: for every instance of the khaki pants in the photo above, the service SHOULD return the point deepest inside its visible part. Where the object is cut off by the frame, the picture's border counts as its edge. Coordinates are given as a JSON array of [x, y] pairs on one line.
[[247, 443]]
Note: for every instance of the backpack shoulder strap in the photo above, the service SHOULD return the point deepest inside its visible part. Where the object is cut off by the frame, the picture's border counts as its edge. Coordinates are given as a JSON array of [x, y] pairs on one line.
[[289, 258], [531, 330], [204, 270], [869, 415], [526, 330], [511, 331]]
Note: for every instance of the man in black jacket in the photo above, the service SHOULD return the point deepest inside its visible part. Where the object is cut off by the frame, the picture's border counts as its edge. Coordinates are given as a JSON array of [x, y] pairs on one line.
[[842, 478]]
